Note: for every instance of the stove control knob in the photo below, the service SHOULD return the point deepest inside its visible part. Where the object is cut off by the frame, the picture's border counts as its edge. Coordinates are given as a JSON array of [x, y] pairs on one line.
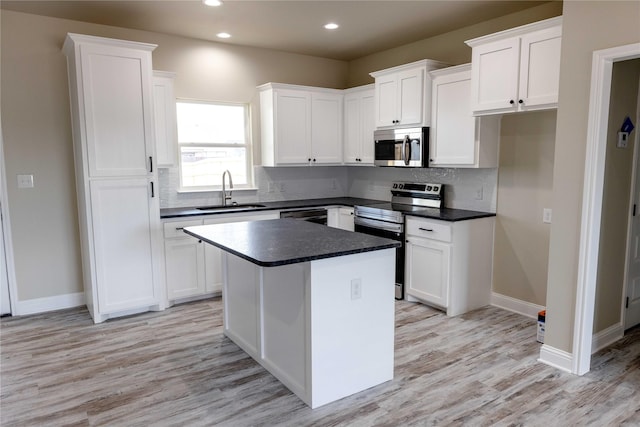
[[428, 188], [435, 188], [395, 185], [400, 186]]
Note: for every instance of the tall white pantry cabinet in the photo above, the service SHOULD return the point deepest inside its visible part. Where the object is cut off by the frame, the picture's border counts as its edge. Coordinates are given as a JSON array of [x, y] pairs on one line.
[[111, 95]]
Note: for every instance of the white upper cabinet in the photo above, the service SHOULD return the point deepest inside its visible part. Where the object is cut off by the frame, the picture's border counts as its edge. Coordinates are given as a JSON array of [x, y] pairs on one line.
[[403, 94], [516, 69], [164, 111], [116, 88], [300, 125], [359, 125], [458, 139]]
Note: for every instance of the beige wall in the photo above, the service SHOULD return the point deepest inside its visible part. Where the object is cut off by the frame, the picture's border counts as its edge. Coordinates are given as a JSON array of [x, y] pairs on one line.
[[37, 130], [525, 184], [448, 47], [615, 198], [587, 26]]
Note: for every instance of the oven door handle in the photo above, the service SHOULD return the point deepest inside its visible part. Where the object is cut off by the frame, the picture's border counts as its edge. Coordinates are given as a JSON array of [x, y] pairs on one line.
[[381, 225]]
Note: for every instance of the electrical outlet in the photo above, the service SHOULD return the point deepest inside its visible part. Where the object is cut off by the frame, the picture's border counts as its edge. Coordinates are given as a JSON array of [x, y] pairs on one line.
[[479, 193], [283, 187], [356, 288], [546, 215], [271, 187]]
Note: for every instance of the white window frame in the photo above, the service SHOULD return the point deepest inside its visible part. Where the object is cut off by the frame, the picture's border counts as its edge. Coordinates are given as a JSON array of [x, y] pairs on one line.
[[248, 147]]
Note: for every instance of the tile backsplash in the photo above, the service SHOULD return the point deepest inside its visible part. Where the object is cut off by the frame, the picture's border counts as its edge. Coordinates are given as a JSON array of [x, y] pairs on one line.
[[473, 189]]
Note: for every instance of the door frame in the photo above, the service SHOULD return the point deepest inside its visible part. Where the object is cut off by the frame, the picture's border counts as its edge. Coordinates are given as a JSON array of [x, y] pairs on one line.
[[601, 72], [6, 230]]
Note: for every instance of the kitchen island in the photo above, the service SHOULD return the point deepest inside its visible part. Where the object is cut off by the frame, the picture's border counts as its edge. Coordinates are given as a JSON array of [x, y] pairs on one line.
[[312, 304]]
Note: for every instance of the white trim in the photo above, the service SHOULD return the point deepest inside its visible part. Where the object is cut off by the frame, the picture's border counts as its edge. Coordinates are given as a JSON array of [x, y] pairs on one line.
[[602, 65], [557, 358], [515, 305], [41, 305], [6, 229], [607, 337]]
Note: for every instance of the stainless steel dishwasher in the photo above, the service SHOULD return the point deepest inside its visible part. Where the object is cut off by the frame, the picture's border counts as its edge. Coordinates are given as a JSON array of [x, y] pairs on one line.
[[317, 215]]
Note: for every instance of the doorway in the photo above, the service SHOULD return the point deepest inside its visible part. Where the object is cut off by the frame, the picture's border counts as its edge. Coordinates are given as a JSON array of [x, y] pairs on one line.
[[601, 77]]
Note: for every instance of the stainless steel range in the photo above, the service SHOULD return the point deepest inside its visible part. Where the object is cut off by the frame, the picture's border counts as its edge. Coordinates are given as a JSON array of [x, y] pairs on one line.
[[387, 219]]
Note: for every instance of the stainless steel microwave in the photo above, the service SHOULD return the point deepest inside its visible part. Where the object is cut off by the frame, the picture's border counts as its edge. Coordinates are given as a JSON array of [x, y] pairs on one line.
[[407, 148]]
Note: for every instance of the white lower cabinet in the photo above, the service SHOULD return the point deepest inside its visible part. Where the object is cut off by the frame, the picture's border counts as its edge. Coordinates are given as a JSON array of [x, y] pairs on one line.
[[194, 268], [448, 264], [341, 217]]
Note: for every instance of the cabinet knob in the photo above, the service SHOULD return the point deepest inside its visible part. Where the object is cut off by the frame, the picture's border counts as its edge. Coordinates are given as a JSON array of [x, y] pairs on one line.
[[512, 102], [406, 241], [314, 160], [520, 101], [309, 159]]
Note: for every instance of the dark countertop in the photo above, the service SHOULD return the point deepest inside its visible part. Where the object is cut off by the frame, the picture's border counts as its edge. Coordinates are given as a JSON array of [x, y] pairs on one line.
[[275, 242], [444, 214], [284, 204]]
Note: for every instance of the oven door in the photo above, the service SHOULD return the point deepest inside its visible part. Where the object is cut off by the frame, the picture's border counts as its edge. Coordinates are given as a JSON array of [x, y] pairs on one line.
[[390, 231]]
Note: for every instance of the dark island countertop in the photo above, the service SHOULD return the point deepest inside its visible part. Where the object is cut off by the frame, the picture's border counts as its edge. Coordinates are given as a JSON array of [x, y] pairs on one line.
[[275, 242], [444, 214]]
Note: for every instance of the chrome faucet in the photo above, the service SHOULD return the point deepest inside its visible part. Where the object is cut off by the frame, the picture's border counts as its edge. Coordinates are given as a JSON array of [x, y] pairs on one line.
[[226, 197]]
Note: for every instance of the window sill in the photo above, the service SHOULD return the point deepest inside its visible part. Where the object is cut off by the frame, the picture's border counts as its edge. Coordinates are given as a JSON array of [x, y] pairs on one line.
[[214, 190]]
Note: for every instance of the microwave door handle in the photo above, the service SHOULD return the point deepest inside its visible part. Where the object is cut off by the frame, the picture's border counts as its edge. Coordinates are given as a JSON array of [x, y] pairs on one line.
[[406, 150]]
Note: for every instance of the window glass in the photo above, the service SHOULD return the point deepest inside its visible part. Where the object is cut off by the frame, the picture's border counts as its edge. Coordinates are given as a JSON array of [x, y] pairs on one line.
[[213, 137]]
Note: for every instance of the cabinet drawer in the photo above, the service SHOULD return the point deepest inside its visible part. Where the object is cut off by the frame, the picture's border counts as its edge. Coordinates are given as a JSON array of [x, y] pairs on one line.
[[436, 230], [174, 229]]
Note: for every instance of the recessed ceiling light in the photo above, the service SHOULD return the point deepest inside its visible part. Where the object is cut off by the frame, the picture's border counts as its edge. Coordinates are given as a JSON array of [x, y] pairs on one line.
[[331, 26], [223, 35], [212, 2]]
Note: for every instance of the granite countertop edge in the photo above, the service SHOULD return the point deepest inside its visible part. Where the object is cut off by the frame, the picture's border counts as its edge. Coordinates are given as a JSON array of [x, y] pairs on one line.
[[444, 214]]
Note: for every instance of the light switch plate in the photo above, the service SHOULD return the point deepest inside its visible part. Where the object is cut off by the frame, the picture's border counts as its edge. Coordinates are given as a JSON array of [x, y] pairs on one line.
[[25, 181], [546, 215]]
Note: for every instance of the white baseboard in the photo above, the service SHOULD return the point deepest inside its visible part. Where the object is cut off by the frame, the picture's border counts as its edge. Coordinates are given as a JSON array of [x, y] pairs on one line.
[[515, 305], [559, 359], [607, 337], [41, 305]]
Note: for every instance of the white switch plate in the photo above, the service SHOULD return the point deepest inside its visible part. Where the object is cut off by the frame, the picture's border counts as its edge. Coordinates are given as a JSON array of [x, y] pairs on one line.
[[25, 181], [546, 215], [356, 288]]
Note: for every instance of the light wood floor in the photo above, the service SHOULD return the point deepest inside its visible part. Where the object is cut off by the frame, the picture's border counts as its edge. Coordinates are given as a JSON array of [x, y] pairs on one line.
[[177, 368]]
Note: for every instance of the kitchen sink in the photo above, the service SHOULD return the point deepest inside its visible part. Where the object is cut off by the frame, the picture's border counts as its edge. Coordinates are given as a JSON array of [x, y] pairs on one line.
[[230, 207]]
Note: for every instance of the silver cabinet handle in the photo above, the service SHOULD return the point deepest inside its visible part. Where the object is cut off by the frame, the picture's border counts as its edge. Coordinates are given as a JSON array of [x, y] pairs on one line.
[[179, 228], [425, 229]]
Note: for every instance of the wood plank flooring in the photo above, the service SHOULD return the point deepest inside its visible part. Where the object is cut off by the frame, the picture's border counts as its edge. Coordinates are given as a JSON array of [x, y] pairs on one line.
[[177, 368]]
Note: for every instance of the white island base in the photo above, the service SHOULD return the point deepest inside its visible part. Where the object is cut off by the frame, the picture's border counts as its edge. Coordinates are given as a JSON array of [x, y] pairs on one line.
[[324, 328]]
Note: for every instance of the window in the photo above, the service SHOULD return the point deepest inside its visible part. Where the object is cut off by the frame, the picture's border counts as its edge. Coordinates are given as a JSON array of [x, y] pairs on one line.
[[212, 138]]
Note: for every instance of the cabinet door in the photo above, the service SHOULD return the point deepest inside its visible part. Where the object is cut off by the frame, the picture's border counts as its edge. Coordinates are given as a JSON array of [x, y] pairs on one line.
[[494, 71], [427, 270], [117, 93], [367, 114], [540, 69], [410, 97], [453, 139], [293, 127], [352, 128], [164, 111], [345, 219], [184, 267], [326, 128], [125, 251], [386, 94]]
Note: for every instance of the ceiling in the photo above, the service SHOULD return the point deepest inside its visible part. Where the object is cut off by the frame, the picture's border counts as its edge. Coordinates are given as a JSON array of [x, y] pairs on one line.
[[293, 26]]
